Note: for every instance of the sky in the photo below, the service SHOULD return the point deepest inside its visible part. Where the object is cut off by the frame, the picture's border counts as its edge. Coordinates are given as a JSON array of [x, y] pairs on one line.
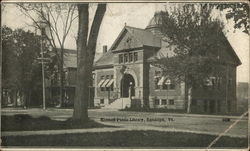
[[136, 15]]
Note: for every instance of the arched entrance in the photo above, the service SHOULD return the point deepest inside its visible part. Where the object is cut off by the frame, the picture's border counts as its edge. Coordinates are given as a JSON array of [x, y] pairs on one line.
[[127, 86]]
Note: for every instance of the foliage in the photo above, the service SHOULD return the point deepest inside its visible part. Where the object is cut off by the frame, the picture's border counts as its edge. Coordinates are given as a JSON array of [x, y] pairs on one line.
[[195, 39], [54, 20], [21, 70], [239, 12]]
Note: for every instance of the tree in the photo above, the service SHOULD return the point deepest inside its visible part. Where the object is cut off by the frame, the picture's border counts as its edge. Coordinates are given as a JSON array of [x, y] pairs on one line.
[[195, 39], [58, 18], [21, 70], [86, 45], [239, 12]]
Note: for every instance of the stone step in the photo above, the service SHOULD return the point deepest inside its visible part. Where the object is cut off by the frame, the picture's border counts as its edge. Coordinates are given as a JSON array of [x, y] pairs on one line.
[[120, 103]]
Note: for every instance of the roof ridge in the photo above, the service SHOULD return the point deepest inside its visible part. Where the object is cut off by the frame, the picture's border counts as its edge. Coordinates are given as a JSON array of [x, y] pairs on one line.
[[108, 52], [139, 29], [134, 27]]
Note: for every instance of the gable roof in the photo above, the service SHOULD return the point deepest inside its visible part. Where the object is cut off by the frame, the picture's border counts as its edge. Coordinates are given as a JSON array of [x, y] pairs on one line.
[[145, 38], [105, 60], [231, 51], [70, 57]]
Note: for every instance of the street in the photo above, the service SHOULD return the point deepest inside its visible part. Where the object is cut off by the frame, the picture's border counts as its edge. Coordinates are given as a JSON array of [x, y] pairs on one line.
[[193, 123]]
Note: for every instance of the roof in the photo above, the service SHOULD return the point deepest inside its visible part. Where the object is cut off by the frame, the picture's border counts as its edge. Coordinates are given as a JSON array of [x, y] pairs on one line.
[[146, 38], [151, 36], [106, 59], [70, 57]]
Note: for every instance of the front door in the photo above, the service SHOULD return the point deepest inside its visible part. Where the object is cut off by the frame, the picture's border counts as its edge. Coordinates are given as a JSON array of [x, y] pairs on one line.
[[127, 86]]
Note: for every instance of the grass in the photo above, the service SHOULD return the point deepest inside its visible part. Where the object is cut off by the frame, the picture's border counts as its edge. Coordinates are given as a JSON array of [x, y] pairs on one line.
[[165, 110], [25, 122], [125, 139]]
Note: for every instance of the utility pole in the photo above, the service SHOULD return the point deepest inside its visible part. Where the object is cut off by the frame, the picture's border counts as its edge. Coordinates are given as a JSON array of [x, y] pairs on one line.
[[42, 59], [43, 78]]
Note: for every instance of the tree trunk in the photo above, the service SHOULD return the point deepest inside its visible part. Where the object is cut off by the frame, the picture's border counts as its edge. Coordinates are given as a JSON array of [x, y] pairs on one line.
[[85, 57], [81, 99], [189, 99], [61, 101]]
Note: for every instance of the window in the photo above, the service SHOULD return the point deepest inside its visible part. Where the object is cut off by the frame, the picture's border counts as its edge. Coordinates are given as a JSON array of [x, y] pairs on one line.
[[102, 101], [111, 76], [230, 82], [213, 80], [130, 57], [219, 81], [93, 79], [229, 105], [107, 77], [102, 88], [157, 73], [205, 105], [194, 102], [164, 102], [168, 85], [218, 105], [171, 102], [157, 79], [165, 86], [172, 86], [111, 88], [135, 56], [125, 57], [157, 101], [121, 58]]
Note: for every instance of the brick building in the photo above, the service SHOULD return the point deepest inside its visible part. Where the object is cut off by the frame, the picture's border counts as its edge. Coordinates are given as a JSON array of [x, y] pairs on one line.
[[125, 76]]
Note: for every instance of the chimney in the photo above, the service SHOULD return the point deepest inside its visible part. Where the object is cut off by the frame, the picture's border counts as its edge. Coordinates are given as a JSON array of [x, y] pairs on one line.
[[105, 49]]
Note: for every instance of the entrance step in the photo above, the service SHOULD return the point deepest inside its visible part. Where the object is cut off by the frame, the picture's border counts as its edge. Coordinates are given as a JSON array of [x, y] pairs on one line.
[[120, 103]]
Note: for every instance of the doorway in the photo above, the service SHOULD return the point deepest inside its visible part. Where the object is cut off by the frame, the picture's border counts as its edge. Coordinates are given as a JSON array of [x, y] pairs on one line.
[[127, 84]]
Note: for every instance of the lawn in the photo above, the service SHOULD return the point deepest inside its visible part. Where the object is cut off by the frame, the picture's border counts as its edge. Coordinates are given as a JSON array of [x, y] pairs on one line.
[[126, 139], [25, 122]]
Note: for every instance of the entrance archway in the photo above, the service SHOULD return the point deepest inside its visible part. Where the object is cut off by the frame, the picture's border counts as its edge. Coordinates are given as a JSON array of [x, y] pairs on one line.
[[127, 86]]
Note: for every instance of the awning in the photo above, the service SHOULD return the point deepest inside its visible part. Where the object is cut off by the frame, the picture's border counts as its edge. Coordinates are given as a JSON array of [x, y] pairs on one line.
[[161, 81], [100, 83], [168, 82], [208, 82], [105, 83], [110, 83]]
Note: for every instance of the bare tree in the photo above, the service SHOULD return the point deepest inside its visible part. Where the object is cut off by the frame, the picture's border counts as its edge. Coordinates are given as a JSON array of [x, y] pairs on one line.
[[58, 19], [86, 45]]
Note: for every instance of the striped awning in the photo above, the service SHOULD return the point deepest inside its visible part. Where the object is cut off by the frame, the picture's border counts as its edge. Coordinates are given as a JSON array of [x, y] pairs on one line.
[[168, 82], [161, 81], [100, 83], [110, 83], [105, 83]]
